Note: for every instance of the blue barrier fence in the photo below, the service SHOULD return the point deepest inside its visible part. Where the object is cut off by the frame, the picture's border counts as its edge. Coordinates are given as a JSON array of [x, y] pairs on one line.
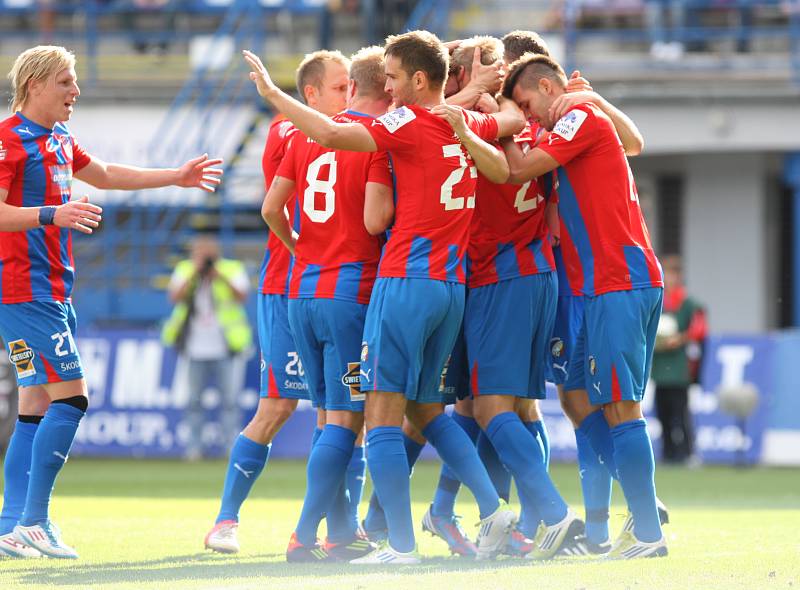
[[138, 391]]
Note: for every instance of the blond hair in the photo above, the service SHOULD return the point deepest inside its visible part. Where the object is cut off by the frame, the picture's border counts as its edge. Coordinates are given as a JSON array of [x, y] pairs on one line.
[[34, 64], [368, 72], [491, 52], [311, 70]]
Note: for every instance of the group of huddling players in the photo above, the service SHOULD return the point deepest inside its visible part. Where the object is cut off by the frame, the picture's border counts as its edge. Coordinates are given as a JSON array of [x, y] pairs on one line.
[[449, 224]]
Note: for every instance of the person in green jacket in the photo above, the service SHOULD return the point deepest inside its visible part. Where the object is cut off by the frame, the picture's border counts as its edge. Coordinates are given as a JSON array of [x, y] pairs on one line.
[[209, 328], [680, 331]]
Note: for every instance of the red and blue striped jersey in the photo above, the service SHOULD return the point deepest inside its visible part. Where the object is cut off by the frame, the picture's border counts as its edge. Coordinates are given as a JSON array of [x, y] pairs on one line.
[[508, 236], [36, 168], [335, 256], [599, 206], [435, 192], [277, 263]]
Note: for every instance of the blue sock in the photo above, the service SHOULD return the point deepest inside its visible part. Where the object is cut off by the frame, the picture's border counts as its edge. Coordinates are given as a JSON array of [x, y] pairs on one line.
[[326, 468], [539, 430], [523, 456], [595, 428], [388, 465], [633, 453], [341, 527], [444, 498], [529, 517], [15, 475], [596, 486], [456, 449], [356, 474], [498, 473], [50, 450], [245, 464], [375, 519]]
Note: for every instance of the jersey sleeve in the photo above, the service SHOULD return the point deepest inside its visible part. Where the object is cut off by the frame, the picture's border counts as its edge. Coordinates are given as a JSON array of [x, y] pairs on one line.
[[379, 170], [80, 158], [287, 167], [483, 125], [8, 163], [572, 135], [395, 131]]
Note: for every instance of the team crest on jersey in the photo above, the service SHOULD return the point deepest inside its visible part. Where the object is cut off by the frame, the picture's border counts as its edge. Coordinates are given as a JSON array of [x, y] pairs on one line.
[[352, 379], [556, 347], [592, 365], [364, 352], [394, 120], [568, 125], [21, 355]]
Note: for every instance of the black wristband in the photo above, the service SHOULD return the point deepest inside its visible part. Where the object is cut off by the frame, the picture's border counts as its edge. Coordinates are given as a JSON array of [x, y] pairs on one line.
[[46, 215]]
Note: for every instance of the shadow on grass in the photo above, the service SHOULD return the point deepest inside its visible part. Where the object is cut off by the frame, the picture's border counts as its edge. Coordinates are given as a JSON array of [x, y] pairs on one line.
[[214, 567]]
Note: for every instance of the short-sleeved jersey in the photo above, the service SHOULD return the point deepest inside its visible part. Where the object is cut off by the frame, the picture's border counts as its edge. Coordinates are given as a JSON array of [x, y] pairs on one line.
[[277, 263], [335, 256], [509, 235], [36, 168], [435, 198], [599, 206]]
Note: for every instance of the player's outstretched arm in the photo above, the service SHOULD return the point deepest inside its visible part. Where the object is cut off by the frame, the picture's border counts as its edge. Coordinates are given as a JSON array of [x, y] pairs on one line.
[[198, 172], [353, 137], [525, 167], [80, 215], [273, 210], [510, 119], [490, 161], [378, 207], [629, 134]]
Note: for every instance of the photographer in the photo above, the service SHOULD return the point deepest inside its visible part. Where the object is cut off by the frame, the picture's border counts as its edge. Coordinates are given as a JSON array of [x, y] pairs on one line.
[[209, 327]]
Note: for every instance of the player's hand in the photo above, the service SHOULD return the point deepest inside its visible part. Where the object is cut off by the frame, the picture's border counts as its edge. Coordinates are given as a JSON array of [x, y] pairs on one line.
[[198, 173], [452, 45], [566, 102], [578, 83], [488, 78], [80, 215], [486, 104], [259, 74], [452, 115]]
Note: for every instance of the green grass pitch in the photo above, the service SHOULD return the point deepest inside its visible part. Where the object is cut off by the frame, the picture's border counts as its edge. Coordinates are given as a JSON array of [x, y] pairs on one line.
[[140, 524]]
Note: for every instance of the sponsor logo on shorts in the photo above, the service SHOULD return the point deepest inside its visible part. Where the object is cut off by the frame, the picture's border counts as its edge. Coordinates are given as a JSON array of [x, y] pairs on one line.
[[352, 379], [263, 364], [364, 352], [442, 387], [21, 356], [592, 365], [556, 347], [297, 385]]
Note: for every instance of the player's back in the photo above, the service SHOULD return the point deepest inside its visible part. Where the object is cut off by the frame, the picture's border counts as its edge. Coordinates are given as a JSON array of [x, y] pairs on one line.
[[436, 182], [335, 256], [275, 266], [599, 205], [508, 234]]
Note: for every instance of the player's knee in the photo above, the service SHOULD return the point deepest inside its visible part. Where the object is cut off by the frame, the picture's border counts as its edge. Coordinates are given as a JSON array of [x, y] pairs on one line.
[[80, 402], [622, 411]]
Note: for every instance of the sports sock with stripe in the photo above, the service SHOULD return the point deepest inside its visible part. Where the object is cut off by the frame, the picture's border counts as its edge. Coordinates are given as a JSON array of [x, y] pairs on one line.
[[245, 464], [49, 452], [538, 429], [356, 475], [444, 498], [596, 430], [529, 517], [341, 527], [500, 476], [636, 467], [375, 520], [326, 468], [457, 450], [389, 467], [523, 456], [596, 486], [15, 474]]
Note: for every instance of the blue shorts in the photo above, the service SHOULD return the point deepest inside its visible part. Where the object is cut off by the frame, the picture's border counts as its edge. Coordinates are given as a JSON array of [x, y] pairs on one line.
[[410, 330], [40, 339], [507, 326], [567, 344], [455, 376], [328, 337], [620, 331], [281, 370]]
